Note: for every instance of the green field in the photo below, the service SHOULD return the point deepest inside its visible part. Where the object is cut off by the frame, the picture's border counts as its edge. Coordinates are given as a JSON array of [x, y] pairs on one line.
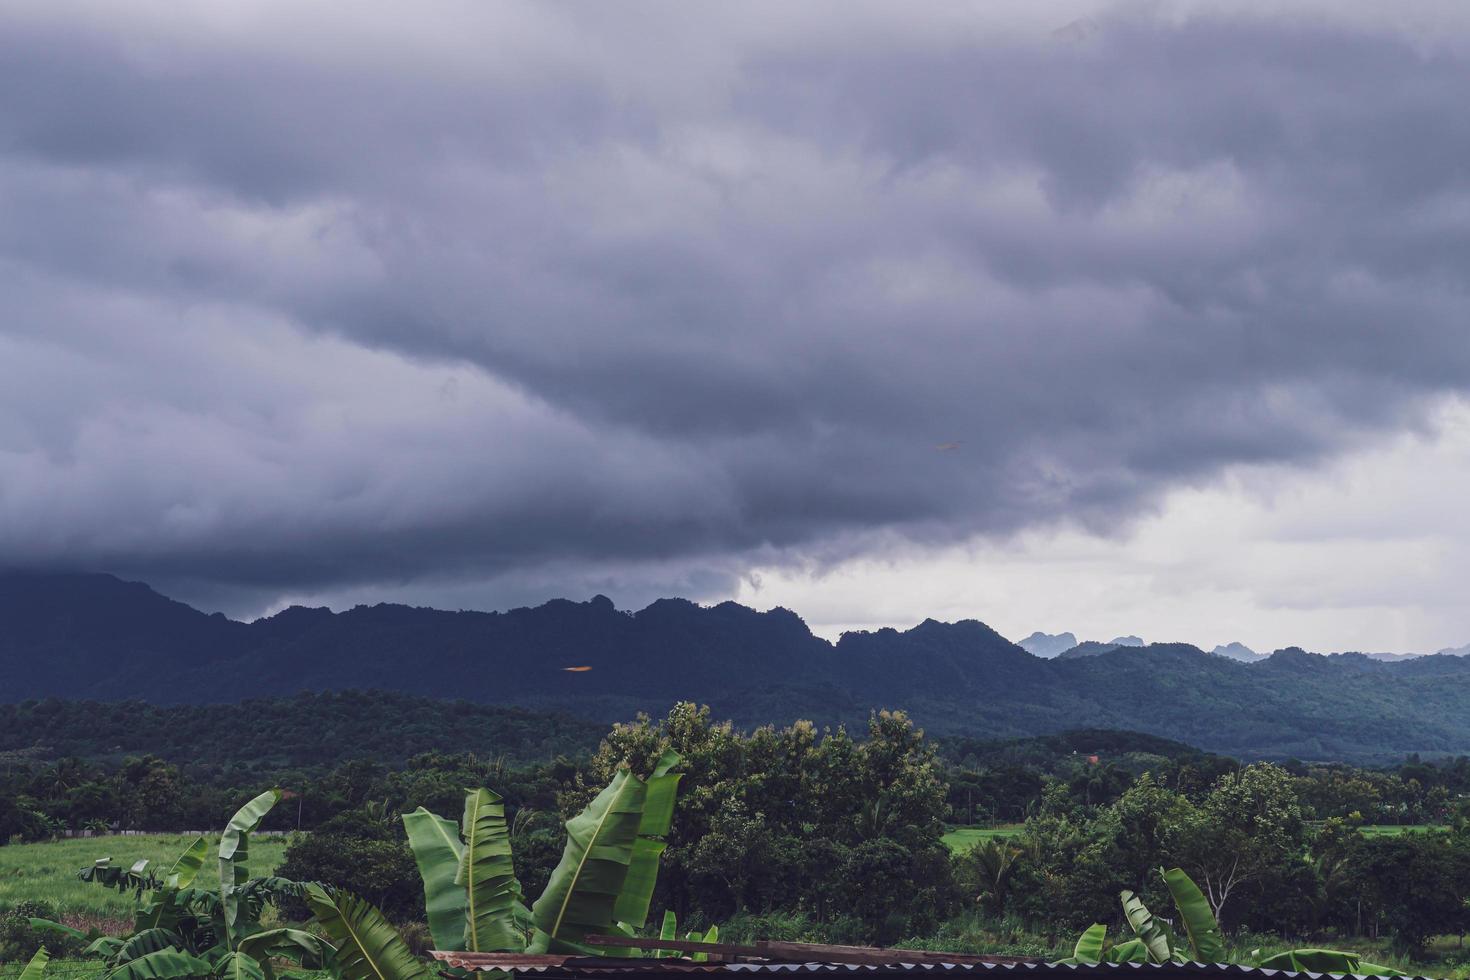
[[47, 872], [1395, 829], [961, 838]]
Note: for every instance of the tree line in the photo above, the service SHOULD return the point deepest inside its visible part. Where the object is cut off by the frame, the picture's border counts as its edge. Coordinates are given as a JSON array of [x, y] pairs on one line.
[[839, 835]]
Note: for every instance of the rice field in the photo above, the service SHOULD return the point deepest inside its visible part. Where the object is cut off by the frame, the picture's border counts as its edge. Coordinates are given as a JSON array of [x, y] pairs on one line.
[[47, 872], [960, 839]]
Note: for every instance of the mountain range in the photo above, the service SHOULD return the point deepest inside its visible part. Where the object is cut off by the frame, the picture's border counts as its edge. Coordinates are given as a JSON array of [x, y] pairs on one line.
[[97, 637]]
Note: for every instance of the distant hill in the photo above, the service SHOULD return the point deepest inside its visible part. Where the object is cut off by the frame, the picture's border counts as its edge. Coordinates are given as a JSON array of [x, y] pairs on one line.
[[1087, 648], [96, 637], [1237, 651], [1041, 644]]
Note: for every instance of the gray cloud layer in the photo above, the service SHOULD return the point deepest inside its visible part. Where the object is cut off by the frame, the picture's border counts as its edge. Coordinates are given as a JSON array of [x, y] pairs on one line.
[[538, 294]]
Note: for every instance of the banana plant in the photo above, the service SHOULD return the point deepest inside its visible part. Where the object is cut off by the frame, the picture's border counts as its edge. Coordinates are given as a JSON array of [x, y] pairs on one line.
[[669, 929], [182, 928], [1155, 941], [603, 884], [1323, 961]]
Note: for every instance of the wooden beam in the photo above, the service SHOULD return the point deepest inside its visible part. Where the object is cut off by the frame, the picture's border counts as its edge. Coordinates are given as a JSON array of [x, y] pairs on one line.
[[471, 961], [718, 952], [803, 952], [871, 955]]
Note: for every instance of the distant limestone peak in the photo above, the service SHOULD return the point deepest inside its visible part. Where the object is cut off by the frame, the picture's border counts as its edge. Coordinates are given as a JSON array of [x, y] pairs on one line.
[[1237, 651], [1041, 644], [1127, 641]]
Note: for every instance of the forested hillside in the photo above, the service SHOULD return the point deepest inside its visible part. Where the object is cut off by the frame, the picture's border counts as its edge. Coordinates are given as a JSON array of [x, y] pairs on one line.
[[95, 637]]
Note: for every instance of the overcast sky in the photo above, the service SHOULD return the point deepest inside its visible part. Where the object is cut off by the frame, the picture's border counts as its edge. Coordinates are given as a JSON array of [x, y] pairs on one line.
[[1146, 318]]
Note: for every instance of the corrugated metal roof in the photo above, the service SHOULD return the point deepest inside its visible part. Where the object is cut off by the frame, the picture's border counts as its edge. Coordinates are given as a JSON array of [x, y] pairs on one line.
[[573, 968]]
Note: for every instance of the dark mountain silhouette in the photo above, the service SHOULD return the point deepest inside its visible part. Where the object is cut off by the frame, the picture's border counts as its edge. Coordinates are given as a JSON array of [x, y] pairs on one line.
[[96, 637]]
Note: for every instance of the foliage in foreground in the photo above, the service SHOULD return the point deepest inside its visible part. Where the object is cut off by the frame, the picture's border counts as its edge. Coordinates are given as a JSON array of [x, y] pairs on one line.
[[603, 884], [1156, 941], [183, 928]]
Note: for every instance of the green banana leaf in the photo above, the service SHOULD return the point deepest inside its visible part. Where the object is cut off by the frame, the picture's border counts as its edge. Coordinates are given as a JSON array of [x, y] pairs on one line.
[[186, 867], [658, 815], [159, 910], [56, 927], [1326, 961], [1151, 931], [142, 943], [1090, 944], [165, 964], [668, 930], [712, 936], [234, 857], [368, 947], [295, 944], [239, 966], [36, 966], [437, 851], [488, 876], [1199, 922], [583, 890], [1132, 951], [104, 947]]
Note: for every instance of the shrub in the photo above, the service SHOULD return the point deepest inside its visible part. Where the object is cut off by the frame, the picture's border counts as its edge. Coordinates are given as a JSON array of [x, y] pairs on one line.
[[19, 940], [363, 855]]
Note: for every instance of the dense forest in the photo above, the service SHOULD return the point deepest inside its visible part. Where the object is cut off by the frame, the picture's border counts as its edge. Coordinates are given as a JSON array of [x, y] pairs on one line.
[[76, 636], [303, 733]]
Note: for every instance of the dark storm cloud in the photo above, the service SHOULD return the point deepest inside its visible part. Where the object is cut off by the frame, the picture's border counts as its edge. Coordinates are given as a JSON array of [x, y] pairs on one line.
[[526, 292]]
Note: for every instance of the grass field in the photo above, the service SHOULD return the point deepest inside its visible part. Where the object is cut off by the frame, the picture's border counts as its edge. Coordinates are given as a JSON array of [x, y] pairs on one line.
[[47, 872], [1395, 829], [960, 839]]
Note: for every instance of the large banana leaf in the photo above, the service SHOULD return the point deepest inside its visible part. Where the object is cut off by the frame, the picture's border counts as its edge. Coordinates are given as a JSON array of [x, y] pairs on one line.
[[658, 815], [436, 851], [488, 876], [1132, 951], [142, 943], [584, 888], [165, 964], [186, 867], [1151, 931], [48, 926], [239, 966], [1199, 922], [368, 947], [159, 910], [303, 947], [36, 966], [1326, 961], [1090, 944], [234, 857]]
